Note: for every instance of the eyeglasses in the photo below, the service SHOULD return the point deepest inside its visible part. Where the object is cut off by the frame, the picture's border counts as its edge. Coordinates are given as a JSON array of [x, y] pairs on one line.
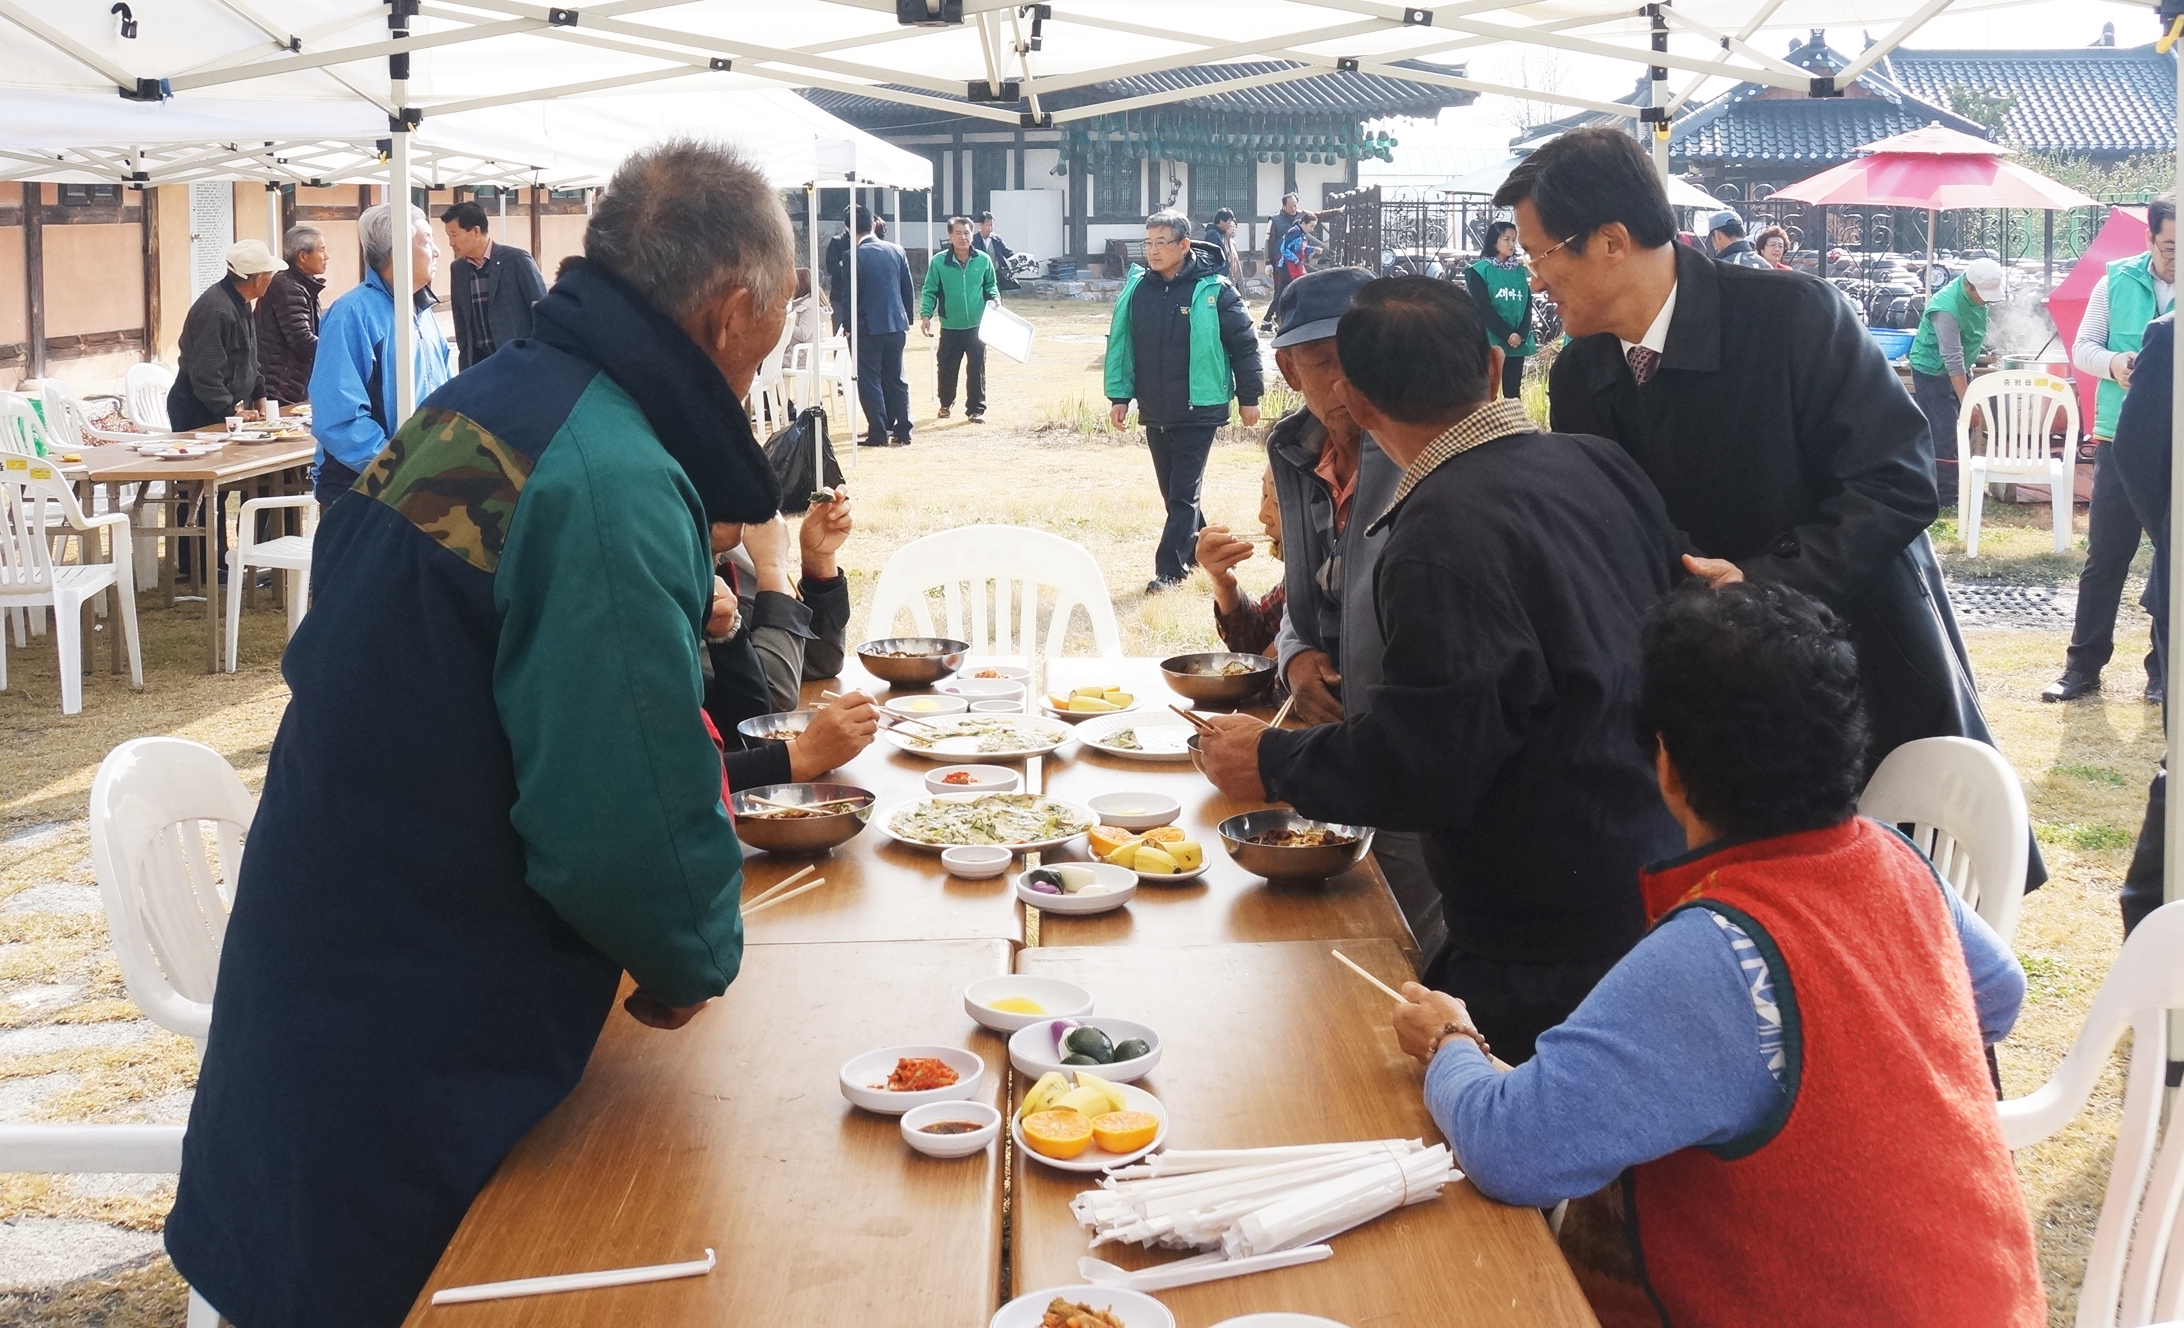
[[1533, 261], [1162, 242]]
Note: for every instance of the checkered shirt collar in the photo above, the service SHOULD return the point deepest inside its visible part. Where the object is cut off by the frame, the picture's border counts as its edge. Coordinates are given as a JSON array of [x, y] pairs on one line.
[[1496, 419]]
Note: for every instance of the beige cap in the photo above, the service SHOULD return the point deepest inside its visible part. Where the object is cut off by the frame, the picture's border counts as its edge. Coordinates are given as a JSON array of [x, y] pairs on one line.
[[247, 258]]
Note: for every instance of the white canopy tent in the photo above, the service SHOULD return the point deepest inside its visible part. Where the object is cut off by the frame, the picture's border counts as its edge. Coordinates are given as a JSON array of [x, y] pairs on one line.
[[413, 60]]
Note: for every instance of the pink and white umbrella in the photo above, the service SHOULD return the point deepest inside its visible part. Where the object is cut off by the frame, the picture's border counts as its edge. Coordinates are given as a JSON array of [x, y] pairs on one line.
[[1938, 169]]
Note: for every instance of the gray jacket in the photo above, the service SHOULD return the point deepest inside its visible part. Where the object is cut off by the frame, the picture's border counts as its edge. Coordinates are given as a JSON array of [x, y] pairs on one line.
[[1329, 576], [513, 285]]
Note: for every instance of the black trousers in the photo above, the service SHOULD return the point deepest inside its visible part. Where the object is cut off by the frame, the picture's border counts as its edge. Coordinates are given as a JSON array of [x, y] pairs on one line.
[[1937, 398], [1513, 1003], [881, 389], [1179, 466], [2112, 540], [960, 345], [1512, 376]]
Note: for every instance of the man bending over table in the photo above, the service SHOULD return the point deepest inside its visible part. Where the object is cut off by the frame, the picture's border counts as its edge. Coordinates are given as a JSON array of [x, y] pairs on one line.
[[1786, 1072], [493, 791], [1515, 568]]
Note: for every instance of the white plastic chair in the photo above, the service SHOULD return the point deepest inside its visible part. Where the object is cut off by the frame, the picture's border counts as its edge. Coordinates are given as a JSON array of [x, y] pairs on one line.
[[144, 395], [834, 367], [37, 508], [1016, 562], [291, 554], [1962, 805], [68, 422], [770, 392], [2020, 408], [165, 883], [2130, 1277], [21, 431]]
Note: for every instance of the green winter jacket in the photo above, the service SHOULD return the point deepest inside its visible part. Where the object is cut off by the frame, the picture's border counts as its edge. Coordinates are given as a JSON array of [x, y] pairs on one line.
[[959, 290], [2131, 306], [1956, 300], [1213, 382]]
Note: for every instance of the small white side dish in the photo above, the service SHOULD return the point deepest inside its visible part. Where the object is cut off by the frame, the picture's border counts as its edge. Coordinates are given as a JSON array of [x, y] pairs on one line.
[[860, 1074], [1134, 1308], [1055, 998], [1087, 887], [976, 862], [1033, 1052], [1135, 811], [916, 1119], [985, 779]]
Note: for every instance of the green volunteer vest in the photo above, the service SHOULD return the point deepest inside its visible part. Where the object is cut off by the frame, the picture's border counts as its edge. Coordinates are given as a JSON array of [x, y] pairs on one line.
[[1511, 290], [1212, 381], [2130, 308], [1971, 317]]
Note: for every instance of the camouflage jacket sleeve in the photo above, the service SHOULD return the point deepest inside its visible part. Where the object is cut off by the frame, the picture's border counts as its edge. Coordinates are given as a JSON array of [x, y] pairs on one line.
[[602, 588]]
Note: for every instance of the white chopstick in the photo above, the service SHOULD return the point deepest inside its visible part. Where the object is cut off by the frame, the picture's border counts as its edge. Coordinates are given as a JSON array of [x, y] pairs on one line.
[[783, 899], [546, 1286], [1393, 994], [1283, 713], [778, 886]]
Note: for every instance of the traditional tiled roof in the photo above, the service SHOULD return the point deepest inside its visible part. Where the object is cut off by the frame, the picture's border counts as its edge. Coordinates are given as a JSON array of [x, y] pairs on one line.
[[1353, 96], [2096, 100], [1755, 123]]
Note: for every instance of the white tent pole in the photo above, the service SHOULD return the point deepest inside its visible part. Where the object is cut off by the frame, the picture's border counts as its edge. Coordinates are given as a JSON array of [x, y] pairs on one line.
[[403, 277], [273, 219], [811, 234], [856, 333], [2172, 858], [1659, 90]]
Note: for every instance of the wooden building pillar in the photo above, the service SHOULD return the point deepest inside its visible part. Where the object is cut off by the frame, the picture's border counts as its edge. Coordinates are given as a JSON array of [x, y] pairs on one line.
[[1080, 207], [150, 194], [34, 274], [537, 232], [959, 199], [1021, 182], [1289, 175]]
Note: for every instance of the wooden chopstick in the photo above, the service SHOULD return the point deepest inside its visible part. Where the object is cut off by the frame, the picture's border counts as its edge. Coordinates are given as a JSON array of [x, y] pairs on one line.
[[778, 886], [783, 899], [1195, 722], [1392, 993], [1283, 713]]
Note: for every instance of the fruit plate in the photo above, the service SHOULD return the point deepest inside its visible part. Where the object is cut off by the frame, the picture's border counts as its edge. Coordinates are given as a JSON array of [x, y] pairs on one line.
[[1032, 1049], [1172, 878], [1097, 1158], [1161, 736], [1053, 711], [886, 821], [1133, 1308], [1028, 735]]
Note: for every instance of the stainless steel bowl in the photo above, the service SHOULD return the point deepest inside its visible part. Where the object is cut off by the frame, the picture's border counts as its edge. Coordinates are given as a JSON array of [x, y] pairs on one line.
[[801, 834], [777, 727], [1291, 864], [1197, 677], [1198, 753], [925, 661]]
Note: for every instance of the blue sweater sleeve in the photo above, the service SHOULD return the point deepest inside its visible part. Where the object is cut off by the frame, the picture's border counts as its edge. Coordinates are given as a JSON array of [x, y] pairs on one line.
[[1664, 1054], [1998, 980]]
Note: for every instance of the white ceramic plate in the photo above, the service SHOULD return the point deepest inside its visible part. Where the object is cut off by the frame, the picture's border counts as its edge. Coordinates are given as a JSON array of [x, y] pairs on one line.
[[1134, 1308], [1280, 1319], [1032, 1050], [1047, 707], [1048, 734], [1055, 998], [1112, 888], [860, 1073], [1164, 733], [1096, 1158], [885, 821]]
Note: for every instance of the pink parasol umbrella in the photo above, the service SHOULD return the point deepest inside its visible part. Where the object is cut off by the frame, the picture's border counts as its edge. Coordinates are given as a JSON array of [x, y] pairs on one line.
[[2123, 235], [1934, 168]]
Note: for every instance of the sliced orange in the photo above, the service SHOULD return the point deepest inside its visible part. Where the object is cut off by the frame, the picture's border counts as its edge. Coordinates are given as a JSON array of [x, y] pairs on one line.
[[1124, 1131], [1167, 834], [1064, 1133]]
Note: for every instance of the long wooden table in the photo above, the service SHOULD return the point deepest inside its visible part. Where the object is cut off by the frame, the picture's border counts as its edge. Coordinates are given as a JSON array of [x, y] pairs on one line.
[[878, 889], [732, 1133], [199, 483], [1279, 1044]]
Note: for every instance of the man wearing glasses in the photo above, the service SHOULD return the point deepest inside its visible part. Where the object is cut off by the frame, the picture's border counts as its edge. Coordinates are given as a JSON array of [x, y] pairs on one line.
[[1181, 345], [1768, 418]]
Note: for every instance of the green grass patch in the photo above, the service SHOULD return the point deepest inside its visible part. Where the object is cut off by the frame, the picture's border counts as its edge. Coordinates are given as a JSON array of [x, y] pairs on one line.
[[2080, 835], [2091, 774], [2051, 976]]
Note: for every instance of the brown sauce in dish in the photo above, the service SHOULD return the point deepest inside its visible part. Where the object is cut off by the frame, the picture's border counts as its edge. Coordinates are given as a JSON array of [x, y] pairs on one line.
[[950, 1127]]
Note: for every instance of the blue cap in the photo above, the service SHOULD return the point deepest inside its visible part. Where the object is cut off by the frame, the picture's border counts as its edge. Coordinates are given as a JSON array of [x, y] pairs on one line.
[[1723, 220], [1309, 307]]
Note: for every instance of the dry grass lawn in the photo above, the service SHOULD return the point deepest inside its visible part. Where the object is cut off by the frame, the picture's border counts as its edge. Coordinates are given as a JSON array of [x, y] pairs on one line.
[[1044, 459]]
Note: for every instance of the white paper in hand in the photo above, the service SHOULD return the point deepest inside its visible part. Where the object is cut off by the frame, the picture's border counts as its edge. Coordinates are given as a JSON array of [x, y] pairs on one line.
[[1007, 332]]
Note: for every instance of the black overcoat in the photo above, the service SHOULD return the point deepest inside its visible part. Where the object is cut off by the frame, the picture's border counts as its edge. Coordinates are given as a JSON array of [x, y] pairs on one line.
[[1781, 440]]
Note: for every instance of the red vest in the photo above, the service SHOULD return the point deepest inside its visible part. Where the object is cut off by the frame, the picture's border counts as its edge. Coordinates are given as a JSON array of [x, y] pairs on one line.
[[1882, 1193]]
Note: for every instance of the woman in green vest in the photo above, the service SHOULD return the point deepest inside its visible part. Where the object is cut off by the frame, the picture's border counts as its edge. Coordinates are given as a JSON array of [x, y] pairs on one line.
[[1501, 286], [1952, 332]]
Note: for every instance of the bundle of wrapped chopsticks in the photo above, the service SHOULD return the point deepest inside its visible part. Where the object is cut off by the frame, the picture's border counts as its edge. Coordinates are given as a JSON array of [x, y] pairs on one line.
[[1252, 1201]]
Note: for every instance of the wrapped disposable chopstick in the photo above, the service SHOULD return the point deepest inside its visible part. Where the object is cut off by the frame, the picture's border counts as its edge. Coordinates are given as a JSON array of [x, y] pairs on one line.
[[1250, 1202]]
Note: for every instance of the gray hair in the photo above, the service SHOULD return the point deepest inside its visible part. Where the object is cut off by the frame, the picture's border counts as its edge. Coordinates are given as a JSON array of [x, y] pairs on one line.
[[1175, 223], [686, 221], [300, 240], [375, 231]]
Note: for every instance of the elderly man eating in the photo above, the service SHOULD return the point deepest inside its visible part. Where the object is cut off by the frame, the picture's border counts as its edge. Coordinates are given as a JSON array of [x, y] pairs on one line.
[[493, 792], [1515, 566], [1786, 1072]]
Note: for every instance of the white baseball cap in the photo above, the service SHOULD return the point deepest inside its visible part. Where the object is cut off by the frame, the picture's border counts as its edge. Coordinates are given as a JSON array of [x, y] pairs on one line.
[[1984, 275], [247, 258]]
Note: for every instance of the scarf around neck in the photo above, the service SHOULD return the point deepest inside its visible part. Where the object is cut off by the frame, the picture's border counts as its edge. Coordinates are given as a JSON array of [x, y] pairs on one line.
[[595, 316]]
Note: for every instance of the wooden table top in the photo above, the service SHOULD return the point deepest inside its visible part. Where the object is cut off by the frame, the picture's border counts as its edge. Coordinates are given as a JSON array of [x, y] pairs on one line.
[[1279, 1044], [880, 890], [115, 463], [732, 1133]]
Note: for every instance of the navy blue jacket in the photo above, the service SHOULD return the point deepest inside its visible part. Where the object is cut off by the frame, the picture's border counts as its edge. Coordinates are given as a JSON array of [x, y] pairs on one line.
[[1160, 340], [885, 293]]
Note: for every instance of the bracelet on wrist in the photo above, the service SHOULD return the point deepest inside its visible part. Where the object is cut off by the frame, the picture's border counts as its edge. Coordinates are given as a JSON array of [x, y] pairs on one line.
[[1453, 1030]]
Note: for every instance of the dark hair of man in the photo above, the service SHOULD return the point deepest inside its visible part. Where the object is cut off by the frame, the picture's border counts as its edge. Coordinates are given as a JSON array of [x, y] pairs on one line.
[[964, 222], [1586, 179], [1398, 326], [469, 216], [1289, 198], [2162, 209], [1494, 231], [982, 217], [1225, 214], [863, 219], [1753, 690]]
